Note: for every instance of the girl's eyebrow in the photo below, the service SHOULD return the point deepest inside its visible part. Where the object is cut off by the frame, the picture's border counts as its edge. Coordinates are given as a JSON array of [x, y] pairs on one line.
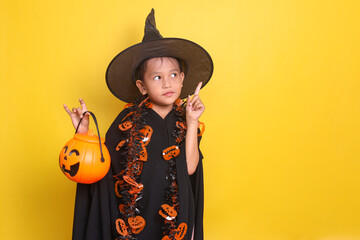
[[154, 74], [171, 70]]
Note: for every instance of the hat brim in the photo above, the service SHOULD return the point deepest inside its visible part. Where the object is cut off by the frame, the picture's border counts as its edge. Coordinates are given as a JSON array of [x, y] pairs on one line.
[[120, 75]]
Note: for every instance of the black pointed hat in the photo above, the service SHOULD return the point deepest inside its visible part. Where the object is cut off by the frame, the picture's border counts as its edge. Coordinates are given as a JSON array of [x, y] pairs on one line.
[[120, 75]]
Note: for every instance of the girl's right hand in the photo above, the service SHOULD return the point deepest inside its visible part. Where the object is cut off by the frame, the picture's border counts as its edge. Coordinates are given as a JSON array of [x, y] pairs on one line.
[[76, 114]]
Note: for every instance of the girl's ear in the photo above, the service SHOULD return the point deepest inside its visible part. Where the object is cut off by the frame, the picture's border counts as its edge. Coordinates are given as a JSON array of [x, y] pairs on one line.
[[141, 86], [182, 76]]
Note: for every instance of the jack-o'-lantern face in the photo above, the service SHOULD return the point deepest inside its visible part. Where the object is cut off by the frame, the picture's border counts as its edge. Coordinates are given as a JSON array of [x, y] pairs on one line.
[[81, 160], [181, 231], [143, 155], [171, 152], [69, 164], [167, 212], [121, 227], [146, 132], [132, 181], [125, 125], [136, 222]]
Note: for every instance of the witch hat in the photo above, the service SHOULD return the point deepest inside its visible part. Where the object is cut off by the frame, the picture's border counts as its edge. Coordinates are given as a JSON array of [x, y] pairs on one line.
[[120, 74]]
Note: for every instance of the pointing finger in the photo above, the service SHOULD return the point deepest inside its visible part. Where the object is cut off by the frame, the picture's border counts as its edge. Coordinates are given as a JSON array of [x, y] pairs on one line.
[[194, 98], [197, 90], [188, 102]]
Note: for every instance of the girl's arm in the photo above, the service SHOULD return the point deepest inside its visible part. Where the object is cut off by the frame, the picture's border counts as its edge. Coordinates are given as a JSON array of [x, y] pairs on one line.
[[194, 109], [192, 148]]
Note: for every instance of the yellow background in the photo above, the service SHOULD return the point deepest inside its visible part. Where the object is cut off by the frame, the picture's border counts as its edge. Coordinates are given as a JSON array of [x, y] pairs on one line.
[[282, 109]]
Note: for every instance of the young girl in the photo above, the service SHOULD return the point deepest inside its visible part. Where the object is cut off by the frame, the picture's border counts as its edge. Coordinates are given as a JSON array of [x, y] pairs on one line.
[[154, 188]]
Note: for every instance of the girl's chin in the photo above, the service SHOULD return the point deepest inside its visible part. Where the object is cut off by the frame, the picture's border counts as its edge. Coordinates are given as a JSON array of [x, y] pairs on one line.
[[165, 100], [164, 104]]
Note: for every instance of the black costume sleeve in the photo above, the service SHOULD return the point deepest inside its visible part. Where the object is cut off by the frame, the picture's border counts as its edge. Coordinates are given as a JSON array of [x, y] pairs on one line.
[[197, 183], [95, 204]]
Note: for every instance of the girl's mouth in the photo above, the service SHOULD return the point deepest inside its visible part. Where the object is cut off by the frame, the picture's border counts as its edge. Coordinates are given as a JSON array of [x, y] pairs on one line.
[[168, 94]]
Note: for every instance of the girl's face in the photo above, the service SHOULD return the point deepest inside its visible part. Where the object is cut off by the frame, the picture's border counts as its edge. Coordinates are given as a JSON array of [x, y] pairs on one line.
[[162, 81]]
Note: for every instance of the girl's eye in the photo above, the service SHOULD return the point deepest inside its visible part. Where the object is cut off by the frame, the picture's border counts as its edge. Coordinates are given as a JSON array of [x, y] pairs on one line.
[[173, 75], [157, 78]]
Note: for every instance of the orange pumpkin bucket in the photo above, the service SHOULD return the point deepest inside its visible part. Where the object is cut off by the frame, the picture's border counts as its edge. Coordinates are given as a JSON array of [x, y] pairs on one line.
[[85, 158]]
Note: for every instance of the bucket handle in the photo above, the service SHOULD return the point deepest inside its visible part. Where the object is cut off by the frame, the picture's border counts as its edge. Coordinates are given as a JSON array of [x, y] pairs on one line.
[[97, 127]]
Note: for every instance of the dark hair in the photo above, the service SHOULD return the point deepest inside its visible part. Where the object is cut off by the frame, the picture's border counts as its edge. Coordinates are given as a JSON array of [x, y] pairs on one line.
[[140, 70]]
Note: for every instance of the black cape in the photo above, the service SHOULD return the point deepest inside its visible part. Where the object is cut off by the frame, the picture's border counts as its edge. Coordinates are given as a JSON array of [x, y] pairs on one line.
[[96, 205]]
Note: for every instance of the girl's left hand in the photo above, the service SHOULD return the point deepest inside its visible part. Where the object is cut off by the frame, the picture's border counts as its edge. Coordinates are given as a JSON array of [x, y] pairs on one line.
[[194, 107]]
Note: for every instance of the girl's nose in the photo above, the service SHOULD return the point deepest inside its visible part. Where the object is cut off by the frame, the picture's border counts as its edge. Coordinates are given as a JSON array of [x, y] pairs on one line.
[[166, 82]]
